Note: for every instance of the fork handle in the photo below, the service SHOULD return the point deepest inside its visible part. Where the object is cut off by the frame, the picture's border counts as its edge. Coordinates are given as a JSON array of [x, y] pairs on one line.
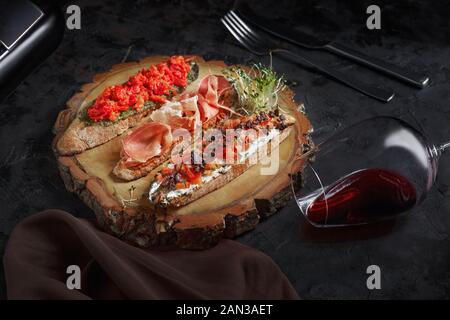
[[370, 90], [410, 77]]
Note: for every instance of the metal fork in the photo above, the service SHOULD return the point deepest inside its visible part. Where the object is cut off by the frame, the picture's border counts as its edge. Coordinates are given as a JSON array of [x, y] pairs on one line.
[[260, 45]]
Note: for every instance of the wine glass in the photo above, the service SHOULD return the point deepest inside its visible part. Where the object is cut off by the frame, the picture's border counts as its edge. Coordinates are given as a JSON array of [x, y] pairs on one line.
[[371, 171]]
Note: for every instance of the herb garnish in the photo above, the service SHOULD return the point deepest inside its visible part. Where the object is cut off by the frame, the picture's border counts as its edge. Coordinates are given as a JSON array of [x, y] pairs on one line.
[[257, 90]]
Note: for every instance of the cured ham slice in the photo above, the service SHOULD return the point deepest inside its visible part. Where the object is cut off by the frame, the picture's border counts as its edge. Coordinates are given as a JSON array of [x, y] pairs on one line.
[[147, 141], [209, 93], [179, 114], [195, 108]]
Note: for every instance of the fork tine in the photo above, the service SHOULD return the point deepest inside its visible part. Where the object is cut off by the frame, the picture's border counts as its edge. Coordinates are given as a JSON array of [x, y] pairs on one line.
[[237, 34], [231, 30], [244, 25], [238, 30], [245, 28]]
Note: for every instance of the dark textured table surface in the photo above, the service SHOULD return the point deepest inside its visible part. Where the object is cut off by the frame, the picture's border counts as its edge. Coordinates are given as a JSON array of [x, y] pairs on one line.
[[413, 253]]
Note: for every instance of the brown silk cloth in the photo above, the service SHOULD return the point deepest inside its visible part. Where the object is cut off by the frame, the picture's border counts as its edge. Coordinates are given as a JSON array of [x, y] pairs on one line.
[[42, 246]]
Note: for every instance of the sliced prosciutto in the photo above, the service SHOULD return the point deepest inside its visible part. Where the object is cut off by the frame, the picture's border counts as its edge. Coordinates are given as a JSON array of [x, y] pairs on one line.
[[210, 95], [197, 107], [179, 114], [147, 141]]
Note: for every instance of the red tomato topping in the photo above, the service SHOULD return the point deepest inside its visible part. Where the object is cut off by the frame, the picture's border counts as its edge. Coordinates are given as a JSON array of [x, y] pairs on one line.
[[190, 175], [153, 84], [182, 185], [197, 179], [188, 172], [179, 185], [166, 171]]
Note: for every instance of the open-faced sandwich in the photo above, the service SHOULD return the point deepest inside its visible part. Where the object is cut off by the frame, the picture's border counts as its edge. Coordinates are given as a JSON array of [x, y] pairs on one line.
[[123, 106], [181, 182]]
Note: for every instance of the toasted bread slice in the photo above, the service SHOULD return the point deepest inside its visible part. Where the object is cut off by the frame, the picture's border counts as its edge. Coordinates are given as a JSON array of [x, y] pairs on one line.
[[169, 197], [82, 135], [124, 172]]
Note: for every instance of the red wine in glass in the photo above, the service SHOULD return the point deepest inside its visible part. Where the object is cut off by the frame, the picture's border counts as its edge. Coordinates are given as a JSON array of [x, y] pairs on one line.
[[370, 171], [362, 197]]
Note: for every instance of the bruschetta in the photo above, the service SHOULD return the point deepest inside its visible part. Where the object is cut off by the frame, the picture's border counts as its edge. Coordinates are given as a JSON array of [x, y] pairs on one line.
[[124, 106], [178, 184]]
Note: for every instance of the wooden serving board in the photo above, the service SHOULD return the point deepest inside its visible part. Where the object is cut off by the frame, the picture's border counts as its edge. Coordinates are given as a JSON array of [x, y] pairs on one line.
[[122, 208]]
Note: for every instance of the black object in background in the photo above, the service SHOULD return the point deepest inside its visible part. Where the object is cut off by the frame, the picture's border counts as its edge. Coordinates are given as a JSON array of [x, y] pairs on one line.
[[29, 33]]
